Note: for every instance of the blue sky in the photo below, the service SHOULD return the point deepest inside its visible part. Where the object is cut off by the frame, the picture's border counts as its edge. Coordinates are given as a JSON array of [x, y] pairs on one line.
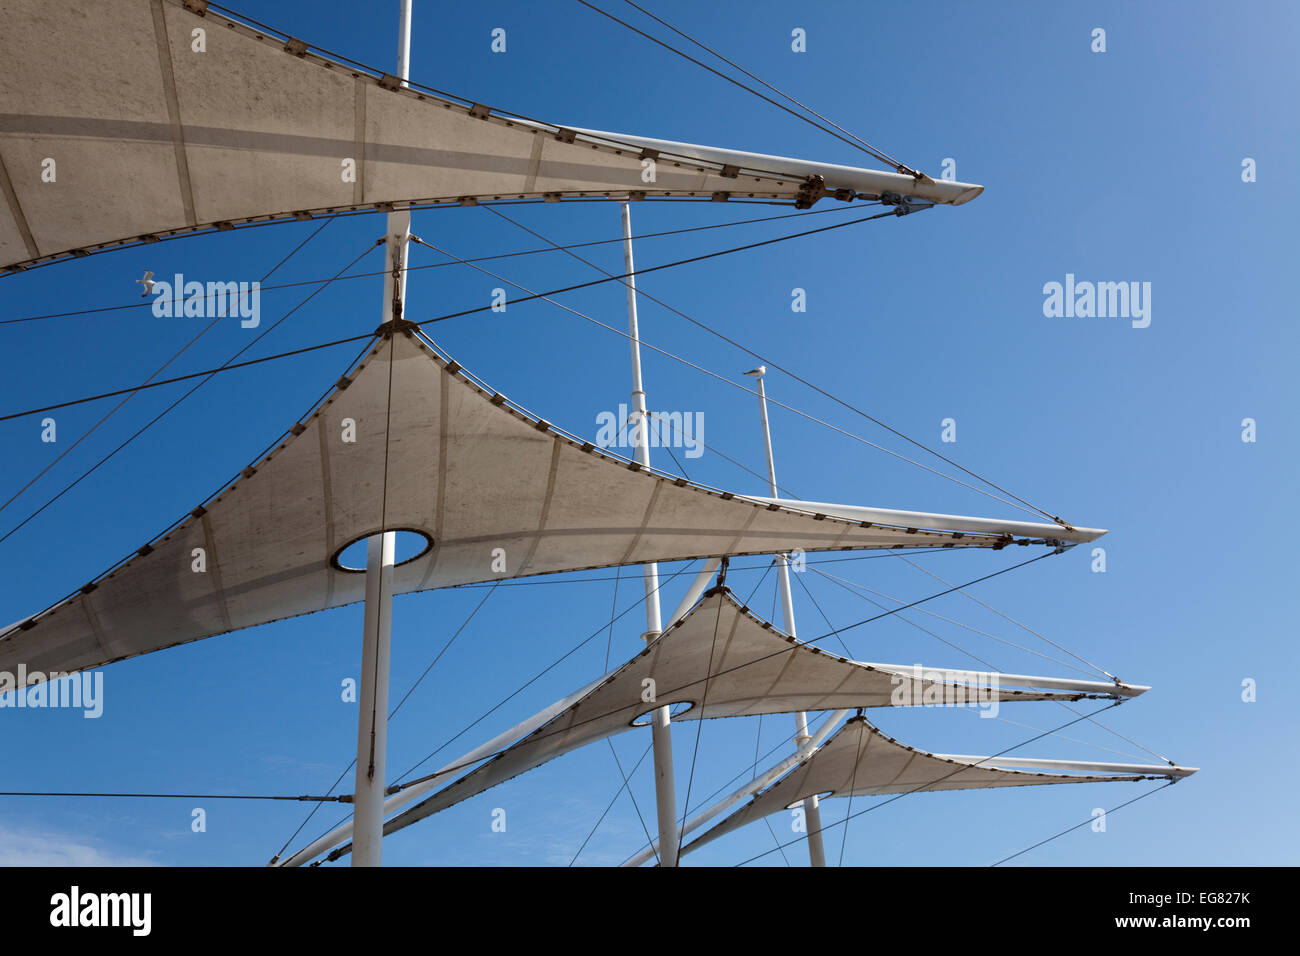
[[1115, 166]]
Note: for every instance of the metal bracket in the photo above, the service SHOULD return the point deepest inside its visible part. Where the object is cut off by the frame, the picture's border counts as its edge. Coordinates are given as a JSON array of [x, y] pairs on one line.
[[813, 189], [904, 204], [396, 325]]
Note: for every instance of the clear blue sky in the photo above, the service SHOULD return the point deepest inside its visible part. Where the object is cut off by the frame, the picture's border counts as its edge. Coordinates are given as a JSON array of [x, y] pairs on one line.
[[1115, 166]]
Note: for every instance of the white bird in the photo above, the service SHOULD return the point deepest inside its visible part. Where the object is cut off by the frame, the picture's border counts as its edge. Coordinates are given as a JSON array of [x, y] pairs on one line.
[[147, 282]]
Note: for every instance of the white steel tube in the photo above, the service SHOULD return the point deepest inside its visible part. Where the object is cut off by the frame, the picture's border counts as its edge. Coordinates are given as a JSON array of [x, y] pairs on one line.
[[863, 180], [1032, 763], [988, 679], [404, 43], [937, 522], [811, 806], [661, 732], [372, 719]]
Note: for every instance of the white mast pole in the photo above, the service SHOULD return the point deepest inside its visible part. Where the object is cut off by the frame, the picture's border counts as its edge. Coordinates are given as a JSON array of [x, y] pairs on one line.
[[661, 731], [372, 719], [811, 808]]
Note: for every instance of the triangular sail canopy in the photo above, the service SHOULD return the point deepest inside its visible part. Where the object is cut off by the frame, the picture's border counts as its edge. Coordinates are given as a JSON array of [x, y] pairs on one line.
[[152, 137], [860, 761], [722, 661], [481, 481]]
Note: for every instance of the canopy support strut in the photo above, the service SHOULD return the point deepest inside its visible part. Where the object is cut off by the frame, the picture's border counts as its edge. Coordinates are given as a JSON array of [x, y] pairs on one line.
[[660, 727], [811, 808], [372, 719]]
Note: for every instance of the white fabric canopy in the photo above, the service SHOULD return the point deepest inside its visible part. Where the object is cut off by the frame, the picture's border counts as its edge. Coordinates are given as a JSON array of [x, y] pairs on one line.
[[722, 661], [152, 138], [482, 481], [860, 761]]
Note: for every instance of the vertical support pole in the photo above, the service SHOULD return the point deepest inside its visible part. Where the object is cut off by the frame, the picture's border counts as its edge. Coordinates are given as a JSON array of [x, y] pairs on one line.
[[372, 722], [660, 727], [404, 43], [372, 718], [811, 807]]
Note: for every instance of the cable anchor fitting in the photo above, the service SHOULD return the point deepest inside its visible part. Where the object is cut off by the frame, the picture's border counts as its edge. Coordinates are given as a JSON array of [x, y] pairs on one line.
[[813, 189], [904, 204], [396, 325]]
